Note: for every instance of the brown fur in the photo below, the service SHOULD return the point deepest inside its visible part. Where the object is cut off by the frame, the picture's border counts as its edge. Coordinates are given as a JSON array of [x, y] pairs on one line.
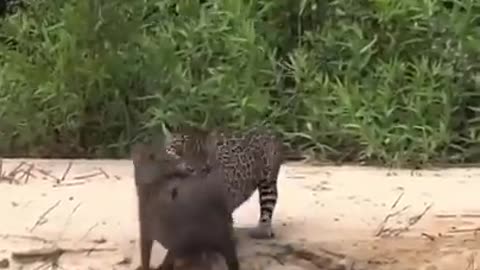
[[185, 210], [202, 261]]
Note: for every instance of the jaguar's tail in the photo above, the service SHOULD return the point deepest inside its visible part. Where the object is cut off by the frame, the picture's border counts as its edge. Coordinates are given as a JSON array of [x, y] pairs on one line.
[[290, 154]]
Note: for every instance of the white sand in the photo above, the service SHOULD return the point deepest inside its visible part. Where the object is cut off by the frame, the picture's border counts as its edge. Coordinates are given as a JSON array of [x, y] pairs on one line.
[[337, 209]]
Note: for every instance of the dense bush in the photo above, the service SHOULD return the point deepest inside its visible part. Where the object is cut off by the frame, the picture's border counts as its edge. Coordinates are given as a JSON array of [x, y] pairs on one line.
[[378, 80]]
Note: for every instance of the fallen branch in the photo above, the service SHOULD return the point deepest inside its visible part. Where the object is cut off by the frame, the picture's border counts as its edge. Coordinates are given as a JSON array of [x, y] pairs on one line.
[[381, 227], [69, 184], [40, 253], [28, 173], [411, 222], [104, 173], [15, 170], [474, 230], [26, 237], [332, 253], [323, 259], [446, 215], [430, 237], [74, 209], [415, 219], [69, 219], [313, 258], [470, 215], [89, 230], [318, 260], [69, 166], [46, 173], [397, 200], [49, 252], [11, 175], [85, 176], [41, 220], [393, 232], [50, 264]]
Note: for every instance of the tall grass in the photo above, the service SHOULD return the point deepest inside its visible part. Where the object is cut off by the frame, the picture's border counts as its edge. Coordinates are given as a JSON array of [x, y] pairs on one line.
[[378, 80]]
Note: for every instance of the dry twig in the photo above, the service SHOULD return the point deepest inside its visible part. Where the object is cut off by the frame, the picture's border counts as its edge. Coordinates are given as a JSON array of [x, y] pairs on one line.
[[15, 170], [85, 176], [46, 173], [411, 222], [88, 231], [26, 237], [474, 230], [11, 175], [470, 215], [397, 200], [332, 253], [69, 184], [69, 166], [415, 219], [28, 173], [324, 259], [429, 236], [104, 172], [381, 228], [69, 219], [446, 215], [49, 252], [41, 220]]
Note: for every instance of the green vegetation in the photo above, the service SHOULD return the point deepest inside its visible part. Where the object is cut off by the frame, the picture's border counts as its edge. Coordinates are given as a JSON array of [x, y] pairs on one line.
[[373, 80]]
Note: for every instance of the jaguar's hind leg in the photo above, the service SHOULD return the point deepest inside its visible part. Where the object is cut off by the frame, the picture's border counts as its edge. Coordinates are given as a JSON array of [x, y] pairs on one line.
[[268, 194]]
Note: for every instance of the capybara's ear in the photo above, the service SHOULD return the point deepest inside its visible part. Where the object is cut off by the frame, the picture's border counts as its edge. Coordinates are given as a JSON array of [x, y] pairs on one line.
[[138, 152], [182, 168], [210, 143]]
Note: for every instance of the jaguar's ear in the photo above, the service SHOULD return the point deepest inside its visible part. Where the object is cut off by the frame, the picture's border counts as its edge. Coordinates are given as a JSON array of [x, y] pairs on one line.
[[158, 144], [193, 144], [167, 138], [207, 149]]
